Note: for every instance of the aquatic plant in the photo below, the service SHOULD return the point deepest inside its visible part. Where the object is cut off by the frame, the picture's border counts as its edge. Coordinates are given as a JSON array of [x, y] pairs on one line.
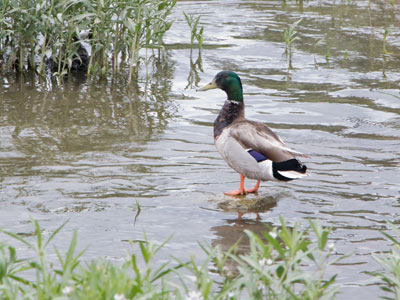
[[282, 264], [195, 32], [275, 269], [389, 277], [37, 33], [289, 36], [99, 279], [318, 43], [385, 35], [327, 55], [193, 78]]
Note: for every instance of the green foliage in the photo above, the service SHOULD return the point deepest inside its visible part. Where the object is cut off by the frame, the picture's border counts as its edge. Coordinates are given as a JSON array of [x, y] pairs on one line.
[[195, 32], [389, 276], [289, 36], [276, 269], [33, 31], [281, 264], [385, 35]]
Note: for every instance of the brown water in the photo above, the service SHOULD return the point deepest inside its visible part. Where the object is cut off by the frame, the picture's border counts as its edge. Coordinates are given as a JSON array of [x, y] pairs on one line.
[[90, 151]]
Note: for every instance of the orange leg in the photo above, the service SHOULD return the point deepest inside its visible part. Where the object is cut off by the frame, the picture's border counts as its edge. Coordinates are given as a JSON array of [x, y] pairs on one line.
[[240, 191], [254, 189]]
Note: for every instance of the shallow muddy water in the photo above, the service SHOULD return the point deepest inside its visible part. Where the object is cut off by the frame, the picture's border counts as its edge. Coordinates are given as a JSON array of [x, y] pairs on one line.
[[91, 152]]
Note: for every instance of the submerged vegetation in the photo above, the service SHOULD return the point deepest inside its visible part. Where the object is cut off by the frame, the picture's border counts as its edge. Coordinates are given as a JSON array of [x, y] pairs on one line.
[[37, 34]]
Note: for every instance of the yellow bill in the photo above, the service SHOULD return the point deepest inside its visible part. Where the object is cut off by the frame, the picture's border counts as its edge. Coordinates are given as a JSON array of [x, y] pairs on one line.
[[208, 86]]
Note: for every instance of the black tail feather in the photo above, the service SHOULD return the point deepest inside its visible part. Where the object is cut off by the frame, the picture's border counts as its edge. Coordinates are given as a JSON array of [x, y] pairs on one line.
[[288, 165]]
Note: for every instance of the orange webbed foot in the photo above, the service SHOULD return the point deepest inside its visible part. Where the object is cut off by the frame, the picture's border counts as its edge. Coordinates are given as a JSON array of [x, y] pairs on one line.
[[241, 191], [236, 193]]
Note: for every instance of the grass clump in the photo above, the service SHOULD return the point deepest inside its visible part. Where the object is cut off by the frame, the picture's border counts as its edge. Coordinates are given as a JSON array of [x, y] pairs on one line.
[[281, 264], [36, 34]]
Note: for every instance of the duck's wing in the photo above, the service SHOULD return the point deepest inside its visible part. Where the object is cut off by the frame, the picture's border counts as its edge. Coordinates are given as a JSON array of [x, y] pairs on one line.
[[257, 136]]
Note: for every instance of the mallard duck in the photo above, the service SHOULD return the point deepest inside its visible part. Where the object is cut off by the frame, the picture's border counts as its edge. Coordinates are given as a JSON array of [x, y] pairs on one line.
[[250, 148]]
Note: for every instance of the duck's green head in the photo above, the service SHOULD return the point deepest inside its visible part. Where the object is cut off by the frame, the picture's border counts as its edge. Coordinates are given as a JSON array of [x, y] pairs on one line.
[[229, 82]]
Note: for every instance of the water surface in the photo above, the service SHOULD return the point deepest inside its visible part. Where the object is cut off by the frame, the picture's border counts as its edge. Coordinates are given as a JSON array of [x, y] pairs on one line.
[[90, 152]]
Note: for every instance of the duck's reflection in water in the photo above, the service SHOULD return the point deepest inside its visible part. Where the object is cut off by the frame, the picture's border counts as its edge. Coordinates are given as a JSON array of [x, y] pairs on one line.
[[234, 230]]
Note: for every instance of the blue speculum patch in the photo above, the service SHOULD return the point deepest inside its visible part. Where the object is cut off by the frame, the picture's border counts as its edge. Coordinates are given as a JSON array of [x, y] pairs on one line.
[[256, 155]]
